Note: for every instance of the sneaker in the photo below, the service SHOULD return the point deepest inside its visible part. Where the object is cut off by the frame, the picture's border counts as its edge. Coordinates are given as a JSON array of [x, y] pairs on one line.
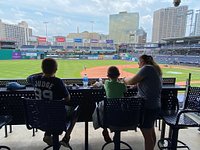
[[65, 142], [106, 136], [48, 140]]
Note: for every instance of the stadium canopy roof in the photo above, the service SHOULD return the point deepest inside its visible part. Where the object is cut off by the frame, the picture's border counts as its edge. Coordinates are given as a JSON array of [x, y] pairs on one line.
[[5, 41], [183, 39]]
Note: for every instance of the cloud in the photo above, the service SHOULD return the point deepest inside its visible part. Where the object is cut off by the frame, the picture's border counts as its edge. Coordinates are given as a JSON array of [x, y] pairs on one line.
[[144, 3], [1, 12], [65, 15], [8, 21], [146, 23], [35, 30], [146, 20], [112, 6], [19, 14], [61, 21], [39, 13]]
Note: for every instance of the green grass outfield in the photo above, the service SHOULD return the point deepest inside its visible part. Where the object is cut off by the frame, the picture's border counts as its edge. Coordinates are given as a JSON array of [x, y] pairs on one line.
[[66, 68], [71, 68]]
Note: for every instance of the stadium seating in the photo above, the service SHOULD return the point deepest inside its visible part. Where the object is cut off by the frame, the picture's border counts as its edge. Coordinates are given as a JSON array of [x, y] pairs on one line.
[[27, 46], [57, 47], [42, 47]]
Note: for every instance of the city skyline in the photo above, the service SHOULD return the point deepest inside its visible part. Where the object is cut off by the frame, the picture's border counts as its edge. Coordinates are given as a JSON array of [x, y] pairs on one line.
[[61, 17]]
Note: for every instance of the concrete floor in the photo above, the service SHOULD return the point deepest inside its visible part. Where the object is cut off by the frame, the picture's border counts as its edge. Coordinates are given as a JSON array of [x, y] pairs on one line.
[[22, 139]]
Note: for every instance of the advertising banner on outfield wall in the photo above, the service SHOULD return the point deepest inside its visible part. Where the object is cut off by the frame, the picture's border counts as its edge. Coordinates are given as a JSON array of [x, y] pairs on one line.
[[29, 55], [108, 57], [16, 55], [93, 57]]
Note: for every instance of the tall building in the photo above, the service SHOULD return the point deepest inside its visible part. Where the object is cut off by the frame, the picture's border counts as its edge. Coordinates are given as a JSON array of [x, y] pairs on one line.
[[87, 39], [19, 33], [122, 26], [197, 24], [169, 22], [84, 35], [140, 36]]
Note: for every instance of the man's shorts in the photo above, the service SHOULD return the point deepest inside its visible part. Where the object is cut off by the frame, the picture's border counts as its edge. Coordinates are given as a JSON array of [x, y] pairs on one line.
[[149, 117]]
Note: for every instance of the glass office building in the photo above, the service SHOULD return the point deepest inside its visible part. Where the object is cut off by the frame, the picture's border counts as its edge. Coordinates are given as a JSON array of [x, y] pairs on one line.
[[122, 26]]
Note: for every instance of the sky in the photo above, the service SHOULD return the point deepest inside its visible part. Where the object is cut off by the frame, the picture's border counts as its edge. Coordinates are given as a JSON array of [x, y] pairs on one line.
[[66, 16]]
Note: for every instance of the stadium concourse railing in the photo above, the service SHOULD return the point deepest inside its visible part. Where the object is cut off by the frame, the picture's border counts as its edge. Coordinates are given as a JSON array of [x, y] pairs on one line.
[[67, 81], [70, 81]]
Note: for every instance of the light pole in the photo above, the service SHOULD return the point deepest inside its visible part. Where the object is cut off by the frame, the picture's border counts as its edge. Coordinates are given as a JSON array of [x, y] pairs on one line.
[[46, 28], [92, 23], [91, 37]]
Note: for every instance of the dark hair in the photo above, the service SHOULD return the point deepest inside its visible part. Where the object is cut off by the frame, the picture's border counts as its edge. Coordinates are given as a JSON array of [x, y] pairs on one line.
[[49, 66], [149, 60], [113, 72]]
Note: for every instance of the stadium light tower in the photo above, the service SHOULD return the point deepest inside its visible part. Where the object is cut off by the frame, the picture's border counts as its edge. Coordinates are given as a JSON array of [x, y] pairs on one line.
[[92, 23], [91, 35], [46, 28]]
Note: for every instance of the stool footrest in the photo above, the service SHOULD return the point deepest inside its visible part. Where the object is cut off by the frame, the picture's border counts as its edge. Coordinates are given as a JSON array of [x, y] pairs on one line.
[[121, 142], [165, 143], [5, 147]]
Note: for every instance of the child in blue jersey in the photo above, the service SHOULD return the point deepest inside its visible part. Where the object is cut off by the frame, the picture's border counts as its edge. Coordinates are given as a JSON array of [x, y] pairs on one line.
[[113, 89], [49, 87]]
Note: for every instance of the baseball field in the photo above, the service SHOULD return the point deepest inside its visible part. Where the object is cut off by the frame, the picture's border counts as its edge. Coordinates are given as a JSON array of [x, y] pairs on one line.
[[11, 69]]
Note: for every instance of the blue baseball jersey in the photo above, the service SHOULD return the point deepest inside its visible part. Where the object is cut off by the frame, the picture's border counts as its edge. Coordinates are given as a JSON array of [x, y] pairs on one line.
[[51, 88]]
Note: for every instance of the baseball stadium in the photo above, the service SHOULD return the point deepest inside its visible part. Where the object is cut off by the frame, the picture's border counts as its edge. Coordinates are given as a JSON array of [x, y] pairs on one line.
[[100, 74], [177, 59]]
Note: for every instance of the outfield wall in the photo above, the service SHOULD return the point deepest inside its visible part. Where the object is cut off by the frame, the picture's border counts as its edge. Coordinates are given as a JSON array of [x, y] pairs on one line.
[[7, 54], [16, 54]]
